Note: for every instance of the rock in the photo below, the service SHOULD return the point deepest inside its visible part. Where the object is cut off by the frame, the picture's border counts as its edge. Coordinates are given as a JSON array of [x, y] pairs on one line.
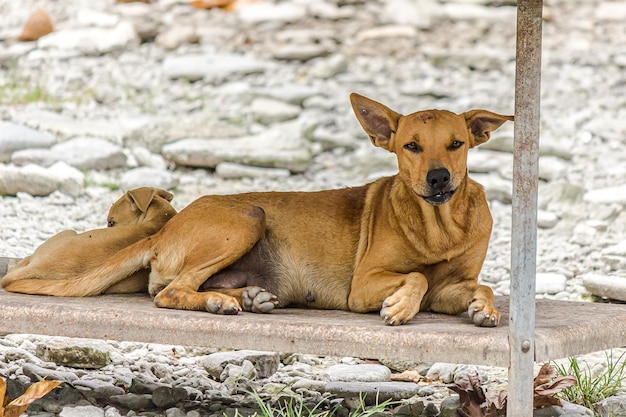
[[147, 177], [215, 68], [92, 354], [37, 373], [300, 52], [550, 283], [93, 40], [613, 287], [14, 137], [607, 195], [265, 363], [268, 111], [99, 389], [255, 13], [373, 391], [135, 402], [387, 32], [357, 373], [37, 25], [289, 93], [269, 149], [82, 411], [176, 36], [81, 152], [328, 67], [38, 181], [419, 13], [546, 219], [231, 170], [485, 161], [611, 406], [608, 11], [165, 397]]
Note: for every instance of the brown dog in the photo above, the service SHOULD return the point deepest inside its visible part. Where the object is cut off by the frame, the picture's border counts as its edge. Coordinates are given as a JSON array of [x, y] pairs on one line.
[[53, 267], [414, 241]]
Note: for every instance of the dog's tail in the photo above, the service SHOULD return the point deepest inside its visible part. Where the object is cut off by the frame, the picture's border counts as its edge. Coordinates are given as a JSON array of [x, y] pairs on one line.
[[116, 268]]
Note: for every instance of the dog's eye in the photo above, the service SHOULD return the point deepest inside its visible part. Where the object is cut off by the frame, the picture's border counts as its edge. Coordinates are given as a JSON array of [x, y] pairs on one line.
[[456, 144], [111, 223], [413, 147]]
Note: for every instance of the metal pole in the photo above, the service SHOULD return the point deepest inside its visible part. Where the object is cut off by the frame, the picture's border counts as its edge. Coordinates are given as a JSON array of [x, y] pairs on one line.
[[524, 217]]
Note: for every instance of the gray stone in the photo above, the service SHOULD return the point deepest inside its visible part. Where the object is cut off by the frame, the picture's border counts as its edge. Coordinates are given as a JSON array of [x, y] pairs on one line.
[[419, 13], [485, 161], [611, 11], [265, 363], [613, 287], [611, 406], [136, 402], [289, 92], [82, 411], [300, 52], [373, 391], [164, 397], [357, 373], [328, 67], [211, 67], [37, 373], [387, 32], [269, 149], [100, 389], [14, 137]]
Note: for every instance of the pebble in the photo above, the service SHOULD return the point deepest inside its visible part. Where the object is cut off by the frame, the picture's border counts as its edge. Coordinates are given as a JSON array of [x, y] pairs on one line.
[[160, 93]]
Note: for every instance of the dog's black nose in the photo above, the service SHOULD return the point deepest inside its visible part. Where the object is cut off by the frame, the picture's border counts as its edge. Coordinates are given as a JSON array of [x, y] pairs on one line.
[[438, 178]]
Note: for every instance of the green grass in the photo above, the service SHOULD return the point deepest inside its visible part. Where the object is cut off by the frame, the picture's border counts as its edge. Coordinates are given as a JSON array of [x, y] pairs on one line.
[[593, 386], [298, 407]]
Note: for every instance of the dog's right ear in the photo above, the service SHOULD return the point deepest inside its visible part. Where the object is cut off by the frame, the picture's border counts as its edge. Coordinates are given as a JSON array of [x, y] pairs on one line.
[[164, 194], [141, 198], [379, 122]]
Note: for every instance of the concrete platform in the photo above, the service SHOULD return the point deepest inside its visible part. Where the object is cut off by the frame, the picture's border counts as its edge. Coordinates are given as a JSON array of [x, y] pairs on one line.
[[562, 329]]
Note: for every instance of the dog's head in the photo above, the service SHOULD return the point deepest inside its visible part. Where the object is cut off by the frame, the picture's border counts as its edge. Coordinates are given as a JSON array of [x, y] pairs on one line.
[[431, 146], [142, 205]]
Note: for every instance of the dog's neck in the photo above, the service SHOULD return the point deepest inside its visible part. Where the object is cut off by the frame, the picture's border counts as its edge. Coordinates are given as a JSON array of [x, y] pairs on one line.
[[441, 226]]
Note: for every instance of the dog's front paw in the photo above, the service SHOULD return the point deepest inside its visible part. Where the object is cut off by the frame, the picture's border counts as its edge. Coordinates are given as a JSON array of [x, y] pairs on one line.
[[257, 300], [222, 304], [398, 310], [483, 315]]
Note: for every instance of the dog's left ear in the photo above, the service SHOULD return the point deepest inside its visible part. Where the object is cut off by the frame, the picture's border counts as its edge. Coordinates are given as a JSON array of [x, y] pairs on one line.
[[141, 197], [481, 123], [379, 122]]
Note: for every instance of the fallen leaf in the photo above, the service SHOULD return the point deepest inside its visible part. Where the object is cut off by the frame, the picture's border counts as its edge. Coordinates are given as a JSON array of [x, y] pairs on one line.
[[210, 4], [16, 407], [407, 376]]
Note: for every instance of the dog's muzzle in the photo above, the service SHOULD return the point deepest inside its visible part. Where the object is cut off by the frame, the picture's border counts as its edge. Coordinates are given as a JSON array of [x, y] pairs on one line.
[[440, 187]]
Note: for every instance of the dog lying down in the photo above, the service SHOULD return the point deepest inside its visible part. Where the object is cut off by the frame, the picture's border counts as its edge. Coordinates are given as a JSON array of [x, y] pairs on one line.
[[53, 267], [411, 242]]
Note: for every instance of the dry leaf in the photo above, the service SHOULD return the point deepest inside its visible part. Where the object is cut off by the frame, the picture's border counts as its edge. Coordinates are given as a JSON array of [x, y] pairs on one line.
[[546, 373], [407, 376], [16, 407], [37, 25], [3, 393], [210, 4]]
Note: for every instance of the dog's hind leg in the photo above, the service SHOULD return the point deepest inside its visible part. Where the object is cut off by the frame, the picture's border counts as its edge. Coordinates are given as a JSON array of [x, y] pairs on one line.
[[468, 296], [223, 231]]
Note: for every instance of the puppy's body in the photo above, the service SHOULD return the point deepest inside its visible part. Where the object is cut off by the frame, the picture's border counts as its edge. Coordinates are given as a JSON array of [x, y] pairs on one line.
[[53, 267], [410, 242]]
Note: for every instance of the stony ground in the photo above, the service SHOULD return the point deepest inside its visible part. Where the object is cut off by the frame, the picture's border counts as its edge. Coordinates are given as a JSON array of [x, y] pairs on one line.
[[214, 101]]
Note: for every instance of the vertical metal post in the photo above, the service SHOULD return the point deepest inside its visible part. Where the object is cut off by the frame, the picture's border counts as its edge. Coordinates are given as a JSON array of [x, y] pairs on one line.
[[524, 217]]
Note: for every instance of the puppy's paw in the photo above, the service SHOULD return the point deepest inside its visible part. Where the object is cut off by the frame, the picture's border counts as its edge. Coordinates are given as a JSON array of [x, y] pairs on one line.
[[257, 300], [398, 310], [218, 304], [483, 315]]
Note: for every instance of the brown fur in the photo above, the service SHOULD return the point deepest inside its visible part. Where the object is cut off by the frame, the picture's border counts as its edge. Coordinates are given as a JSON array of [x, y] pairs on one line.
[[414, 241], [54, 266]]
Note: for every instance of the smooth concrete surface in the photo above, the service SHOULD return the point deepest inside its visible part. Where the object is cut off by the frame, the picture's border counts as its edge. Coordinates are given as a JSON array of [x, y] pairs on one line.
[[563, 328]]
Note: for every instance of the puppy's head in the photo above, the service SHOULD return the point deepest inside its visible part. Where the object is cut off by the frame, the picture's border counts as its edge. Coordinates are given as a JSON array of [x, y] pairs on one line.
[[431, 146], [142, 205]]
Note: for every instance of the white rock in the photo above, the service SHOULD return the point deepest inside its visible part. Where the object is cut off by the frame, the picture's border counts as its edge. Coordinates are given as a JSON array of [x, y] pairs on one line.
[[176, 36], [81, 411], [148, 177], [71, 181], [550, 283], [608, 195], [14, 137], [92, 41], [328, 67], [271, 12], [419, 13], [613, 287], [37, 181], [357, 373], [269, 111], [485, 161], [90, 17], [231, 170], [546, 219], [611, 11], [300, 52], [386, 32], [211, 67]]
